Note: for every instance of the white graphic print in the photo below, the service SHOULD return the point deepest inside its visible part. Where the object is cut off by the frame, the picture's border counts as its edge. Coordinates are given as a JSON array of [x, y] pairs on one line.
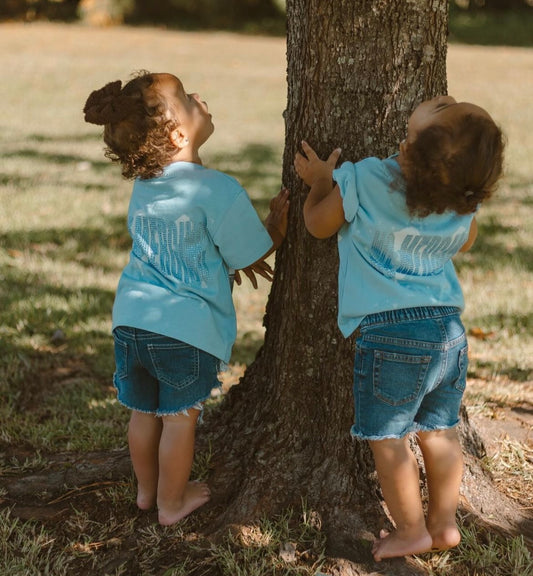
[[176, 249], [407, 252]]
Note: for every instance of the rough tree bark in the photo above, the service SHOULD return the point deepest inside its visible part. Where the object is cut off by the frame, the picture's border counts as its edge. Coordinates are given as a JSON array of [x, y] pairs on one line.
[[355, 71]]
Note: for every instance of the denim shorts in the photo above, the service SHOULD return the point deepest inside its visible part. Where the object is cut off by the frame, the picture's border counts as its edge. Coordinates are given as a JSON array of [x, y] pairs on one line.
[[409, 372], [159, 375]]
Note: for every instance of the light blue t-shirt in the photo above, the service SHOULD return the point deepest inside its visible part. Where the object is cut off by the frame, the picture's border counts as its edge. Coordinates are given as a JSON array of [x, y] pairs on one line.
[[389, 259], [188, 226]]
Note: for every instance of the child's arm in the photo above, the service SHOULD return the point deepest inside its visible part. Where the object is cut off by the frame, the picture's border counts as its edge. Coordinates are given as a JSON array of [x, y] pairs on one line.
[[276, 224], [277, 220], [323, 209], [472, 235]]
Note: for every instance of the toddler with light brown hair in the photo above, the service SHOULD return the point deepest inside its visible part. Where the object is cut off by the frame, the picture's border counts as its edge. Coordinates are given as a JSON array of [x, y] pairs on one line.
[[399, 222]]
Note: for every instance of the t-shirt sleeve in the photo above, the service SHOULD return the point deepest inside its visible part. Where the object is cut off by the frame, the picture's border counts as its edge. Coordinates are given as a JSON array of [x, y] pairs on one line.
[[346, 179], [241, 237]]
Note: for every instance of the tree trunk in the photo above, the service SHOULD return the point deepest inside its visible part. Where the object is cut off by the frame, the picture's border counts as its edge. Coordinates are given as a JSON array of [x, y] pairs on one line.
[[355, 71]]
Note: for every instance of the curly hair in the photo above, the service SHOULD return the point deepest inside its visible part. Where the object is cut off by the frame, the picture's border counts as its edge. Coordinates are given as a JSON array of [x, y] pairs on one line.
[[137, 125], [453, 168]]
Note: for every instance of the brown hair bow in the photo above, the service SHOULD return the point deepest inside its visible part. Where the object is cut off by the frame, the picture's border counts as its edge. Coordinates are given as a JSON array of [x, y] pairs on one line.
[[106, 105]]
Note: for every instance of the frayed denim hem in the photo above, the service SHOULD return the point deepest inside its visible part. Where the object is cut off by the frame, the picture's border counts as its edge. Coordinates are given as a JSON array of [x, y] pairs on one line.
[[373, 438], [197, 405], [415, 430], [420, 428], [376, 437]]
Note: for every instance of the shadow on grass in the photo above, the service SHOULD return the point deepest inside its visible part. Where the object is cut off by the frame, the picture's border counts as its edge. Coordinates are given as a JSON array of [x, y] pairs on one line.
[[87, 247], [28, 183], [86, 137], [56, 364], [56, 158], [49, 165], [483, 370], [256, 166], [33, 310], [491, 251]]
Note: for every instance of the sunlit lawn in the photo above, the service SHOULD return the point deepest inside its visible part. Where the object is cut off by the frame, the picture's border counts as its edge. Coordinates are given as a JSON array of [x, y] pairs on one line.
[[63, 239], [62, 219]]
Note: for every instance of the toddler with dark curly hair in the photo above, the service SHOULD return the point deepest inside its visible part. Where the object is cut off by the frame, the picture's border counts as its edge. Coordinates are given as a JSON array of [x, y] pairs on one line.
[[174, 322]]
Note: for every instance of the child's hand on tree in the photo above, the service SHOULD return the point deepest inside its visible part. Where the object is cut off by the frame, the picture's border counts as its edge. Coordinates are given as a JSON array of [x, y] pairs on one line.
[[311, 168]]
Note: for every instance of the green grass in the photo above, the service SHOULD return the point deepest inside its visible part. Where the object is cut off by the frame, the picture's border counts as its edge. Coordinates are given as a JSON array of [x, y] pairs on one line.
[[27, 549], [287, 545], [63, 240], [63, 243], [483, 553]]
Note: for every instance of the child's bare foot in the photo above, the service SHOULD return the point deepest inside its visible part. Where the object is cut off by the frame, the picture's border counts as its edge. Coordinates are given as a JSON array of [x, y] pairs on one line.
[[394, 544], [196, 494], [146, 499], [145, 502], [444, 537]]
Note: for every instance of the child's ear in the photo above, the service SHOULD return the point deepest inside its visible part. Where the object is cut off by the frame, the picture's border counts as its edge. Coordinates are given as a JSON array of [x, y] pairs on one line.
[[178, 138]]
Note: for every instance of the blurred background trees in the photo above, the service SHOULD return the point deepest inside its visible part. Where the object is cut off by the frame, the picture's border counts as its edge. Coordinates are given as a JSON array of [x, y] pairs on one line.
[[508, 22], [209, 13], [173, 13]]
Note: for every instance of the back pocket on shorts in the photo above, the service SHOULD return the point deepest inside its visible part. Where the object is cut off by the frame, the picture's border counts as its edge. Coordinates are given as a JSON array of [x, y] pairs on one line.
[[176, 364], [398, 378], [121, 357]]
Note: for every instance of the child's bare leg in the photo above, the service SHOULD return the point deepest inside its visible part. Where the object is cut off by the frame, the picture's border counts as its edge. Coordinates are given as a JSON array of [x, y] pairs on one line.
[[443, 460], [176, 496], [144, 432], [397, 470]]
